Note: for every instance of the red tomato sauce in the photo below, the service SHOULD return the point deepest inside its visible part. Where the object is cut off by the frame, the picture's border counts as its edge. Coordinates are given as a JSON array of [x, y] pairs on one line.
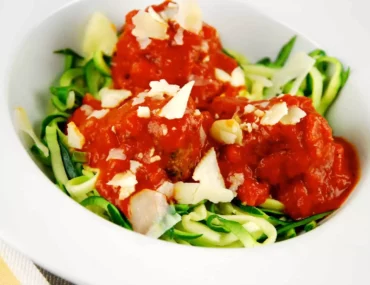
[[196, 59], [301, 165]]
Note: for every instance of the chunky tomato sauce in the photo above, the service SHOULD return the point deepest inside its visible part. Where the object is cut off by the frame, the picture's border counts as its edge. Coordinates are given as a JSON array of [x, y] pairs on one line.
[[196, 59], [301, 165]]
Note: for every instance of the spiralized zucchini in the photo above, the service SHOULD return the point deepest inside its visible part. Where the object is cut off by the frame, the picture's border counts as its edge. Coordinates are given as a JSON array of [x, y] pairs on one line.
[[206, 224]]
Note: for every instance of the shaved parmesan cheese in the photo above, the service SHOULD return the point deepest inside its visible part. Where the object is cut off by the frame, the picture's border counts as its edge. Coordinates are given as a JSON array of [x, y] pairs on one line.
[[155, 158], [204, 46], [193, 193], [148, 27], [211, 184], [189, 16], [297, 67], [170, 12], [197, 112], [176, 107], [150, 213], [259, 113], [159, 88], [166, 189], [274, 114], [237, 77], [207, 170], [249, 109], [75, 138], [155, 16], [247, 127], [99, 36], [264, 104], [236, 180], [126, 181], [222, 75], [164, 129], [294, 116], [134, 166], [98, 114], [117, 154], [184, 193], [87, 109], [143, 112], [24, 125], [179, 37], [144, 42], [227, 131], [140, 98], [111, 98], [261, 79]]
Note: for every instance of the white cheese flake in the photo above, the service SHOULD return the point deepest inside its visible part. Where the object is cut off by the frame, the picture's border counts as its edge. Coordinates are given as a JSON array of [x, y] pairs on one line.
[[206, 59], [207, 170], [222, 75], [134, 166], [259, 113], [204, 46], [170, 12], [237, 77], [247, 127], [98, 114], [236, 180], [143, 112], [155, 16], [294, 116], [144, 42], [264, 104], [164, 129], [227, 131], [176, 107], [254, 126], [111, 98], [161, 87], [166, 189], [139, 99], [126, 182], [87, 109], [179, 37], [189, 16], [249, 109], [117, 154], [197, 112], [155, 158], [75, 138], [274, 114], [148, 27]]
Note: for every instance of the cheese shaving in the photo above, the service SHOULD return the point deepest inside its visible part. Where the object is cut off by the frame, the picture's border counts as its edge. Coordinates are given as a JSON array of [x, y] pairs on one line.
[[176, 107], [75, 138], [148, 27], [189, 16]]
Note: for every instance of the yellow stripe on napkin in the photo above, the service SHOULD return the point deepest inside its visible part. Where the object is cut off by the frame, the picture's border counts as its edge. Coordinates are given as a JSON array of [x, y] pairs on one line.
[[6, 276]]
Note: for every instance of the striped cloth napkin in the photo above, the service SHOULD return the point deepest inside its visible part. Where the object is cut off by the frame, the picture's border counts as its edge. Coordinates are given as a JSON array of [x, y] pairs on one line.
[[15, 269]]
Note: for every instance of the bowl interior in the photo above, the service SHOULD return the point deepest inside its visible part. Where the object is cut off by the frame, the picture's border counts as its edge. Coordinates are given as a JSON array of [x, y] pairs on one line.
[[241, 28]]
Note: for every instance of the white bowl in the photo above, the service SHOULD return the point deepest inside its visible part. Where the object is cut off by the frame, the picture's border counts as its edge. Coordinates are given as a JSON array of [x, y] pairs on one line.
[[63, 237]]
